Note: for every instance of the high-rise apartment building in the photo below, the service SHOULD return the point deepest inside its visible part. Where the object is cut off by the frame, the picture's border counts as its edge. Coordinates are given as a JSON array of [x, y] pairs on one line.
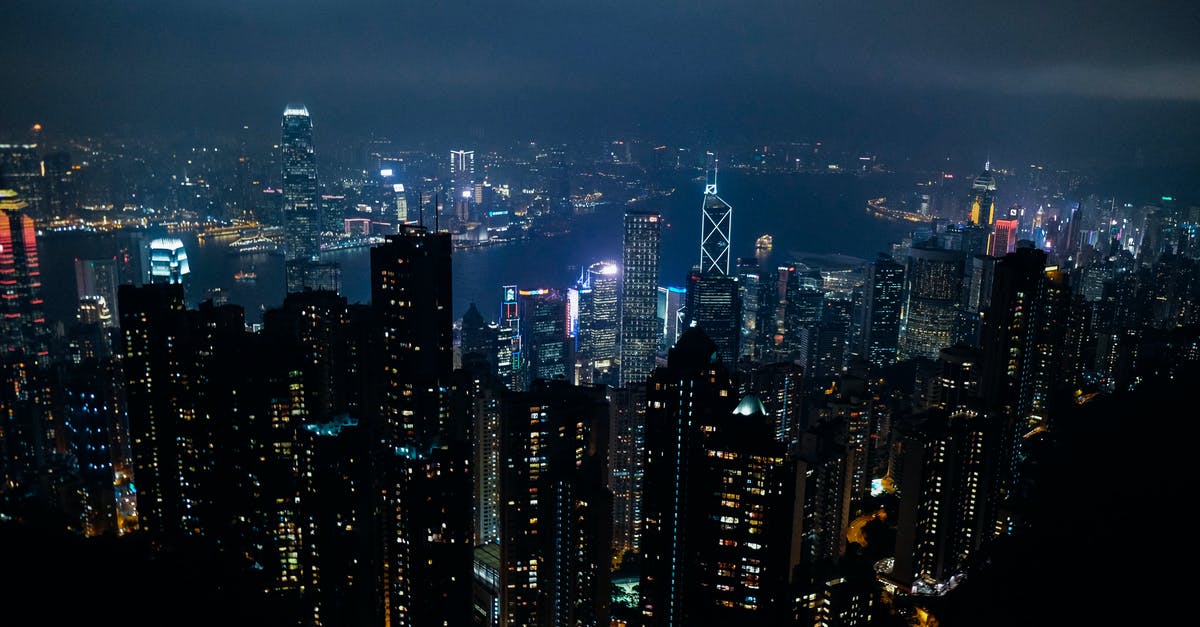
[[556, 510]]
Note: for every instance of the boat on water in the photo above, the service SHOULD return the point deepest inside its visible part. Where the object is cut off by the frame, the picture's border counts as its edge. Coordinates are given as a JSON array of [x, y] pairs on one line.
[[764, 243], [253, 245], [245, 275]]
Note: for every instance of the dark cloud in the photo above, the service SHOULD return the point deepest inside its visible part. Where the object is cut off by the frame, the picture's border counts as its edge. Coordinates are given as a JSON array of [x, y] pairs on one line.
[[800, 66]]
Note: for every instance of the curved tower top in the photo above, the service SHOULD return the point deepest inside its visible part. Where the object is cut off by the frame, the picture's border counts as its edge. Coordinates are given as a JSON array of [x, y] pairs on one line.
[[295, 108]]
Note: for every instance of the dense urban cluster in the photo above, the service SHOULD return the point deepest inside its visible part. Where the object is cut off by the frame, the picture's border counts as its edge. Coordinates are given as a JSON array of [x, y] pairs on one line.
[[757, 440]]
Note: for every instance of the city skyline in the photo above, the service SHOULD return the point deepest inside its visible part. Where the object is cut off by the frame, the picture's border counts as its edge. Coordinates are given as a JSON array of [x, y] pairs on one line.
[[600, 315]]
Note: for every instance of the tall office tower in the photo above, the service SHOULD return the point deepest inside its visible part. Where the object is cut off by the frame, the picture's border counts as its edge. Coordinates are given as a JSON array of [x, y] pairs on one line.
[[303, 222], [971, 239], [1004, 234], [627, 443], [98, 277], [934, 291], [30, 433], [983, 197], [714, 306], [305, 275], [462, 182], [169, 261], [425, 479], [598, 320], [942, 521], [716, 225], [333, 459], [401, 216], [804, 300], [558, 182], [556, 510], [671, 313], [750, 288], [779, 386], [1022, 356], [21, 170], [640, 260], [883, 291], [153, 328], [509, 356], [714, 546], [544, 335], [23, 332]]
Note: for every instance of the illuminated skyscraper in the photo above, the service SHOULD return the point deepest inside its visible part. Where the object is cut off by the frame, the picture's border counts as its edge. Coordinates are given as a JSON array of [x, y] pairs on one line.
[[713, 297], [23, 331], [934, 279], [301, 204], [883, 292], [462, 182], [714, 306], [544, 335], [716, 227], [598, 322], [1004, 233], [639, 331], [670, 313], [168, 261], [983, 197], [509, 356]]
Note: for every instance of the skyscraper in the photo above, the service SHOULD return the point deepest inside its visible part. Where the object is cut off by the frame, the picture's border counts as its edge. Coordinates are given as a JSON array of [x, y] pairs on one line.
[[983, 197], [716, 228], [98, 278], [509, 355], [713, 298], [462, 182], [716, 510], [598, 321], [168, 261], [425, 479], [883, 291], [934, 279], [302, 217], [1023, 331], [1004, 234], [639, 299], [556, 510], [23, 330], [714, 306], [544, 335], [153, 324]]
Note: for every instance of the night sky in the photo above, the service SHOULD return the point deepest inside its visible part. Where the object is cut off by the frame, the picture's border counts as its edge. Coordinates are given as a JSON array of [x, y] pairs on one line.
[[1065, 77]]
